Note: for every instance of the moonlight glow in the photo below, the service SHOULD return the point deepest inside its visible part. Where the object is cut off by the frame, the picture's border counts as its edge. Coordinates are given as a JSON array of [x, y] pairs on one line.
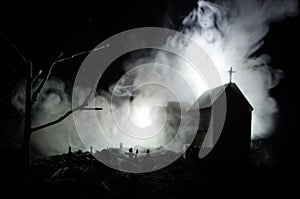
[[141, 117]]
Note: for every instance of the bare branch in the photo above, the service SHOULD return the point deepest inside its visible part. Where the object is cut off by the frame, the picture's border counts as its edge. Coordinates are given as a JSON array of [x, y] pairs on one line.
[[91, 109], [14, 46], [41, 71], [79, 108], [82, 107], [60, 55], [38, 90], [37, 76]]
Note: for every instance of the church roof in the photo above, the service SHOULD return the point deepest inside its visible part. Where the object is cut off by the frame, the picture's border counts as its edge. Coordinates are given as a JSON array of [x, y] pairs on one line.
[[207, 99]]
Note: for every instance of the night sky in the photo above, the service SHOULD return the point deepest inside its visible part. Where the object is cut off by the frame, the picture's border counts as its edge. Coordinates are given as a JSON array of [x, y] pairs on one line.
[[41, 31]]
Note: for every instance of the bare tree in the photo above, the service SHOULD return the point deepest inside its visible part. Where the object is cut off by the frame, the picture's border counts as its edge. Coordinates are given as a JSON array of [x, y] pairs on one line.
[[31, 97]]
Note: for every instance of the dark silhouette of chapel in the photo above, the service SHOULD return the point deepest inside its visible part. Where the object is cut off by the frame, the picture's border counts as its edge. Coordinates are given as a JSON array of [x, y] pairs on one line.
[[222, 143]]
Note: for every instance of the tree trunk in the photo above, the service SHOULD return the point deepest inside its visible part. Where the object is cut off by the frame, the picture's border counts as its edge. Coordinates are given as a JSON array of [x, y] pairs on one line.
[[27, 125]]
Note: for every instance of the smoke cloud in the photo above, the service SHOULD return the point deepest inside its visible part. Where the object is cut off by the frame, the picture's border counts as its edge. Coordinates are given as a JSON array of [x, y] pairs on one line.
[[229, 31]]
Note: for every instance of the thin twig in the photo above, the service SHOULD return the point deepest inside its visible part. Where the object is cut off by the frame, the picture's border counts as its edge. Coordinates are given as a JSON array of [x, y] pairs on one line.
[[38, 90], [41, 71], [14, 46], [60, 55], [81, 107], [37, 76], [91, 109]]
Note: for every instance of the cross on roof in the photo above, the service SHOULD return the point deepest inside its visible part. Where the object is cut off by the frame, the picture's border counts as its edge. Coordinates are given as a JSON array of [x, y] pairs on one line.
[[230, 74]]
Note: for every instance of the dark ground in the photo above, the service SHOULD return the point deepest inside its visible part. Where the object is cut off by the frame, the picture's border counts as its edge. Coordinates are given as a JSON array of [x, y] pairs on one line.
[[80, 175]]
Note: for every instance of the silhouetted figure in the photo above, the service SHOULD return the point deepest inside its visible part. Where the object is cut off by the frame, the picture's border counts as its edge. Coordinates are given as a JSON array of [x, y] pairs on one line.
[[131, 98], [91, 149], [147, 156], [130, 154], [136, 153], [70, 149]]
